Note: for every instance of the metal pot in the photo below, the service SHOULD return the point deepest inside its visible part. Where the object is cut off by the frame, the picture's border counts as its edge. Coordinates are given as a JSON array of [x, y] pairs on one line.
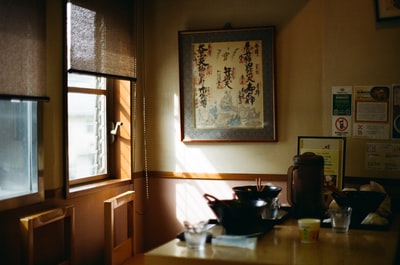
[[238, 218]]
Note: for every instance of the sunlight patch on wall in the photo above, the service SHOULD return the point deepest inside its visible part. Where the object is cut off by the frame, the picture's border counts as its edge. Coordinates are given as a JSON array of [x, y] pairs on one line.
[[179, 146], [190, 203], [189, 157]]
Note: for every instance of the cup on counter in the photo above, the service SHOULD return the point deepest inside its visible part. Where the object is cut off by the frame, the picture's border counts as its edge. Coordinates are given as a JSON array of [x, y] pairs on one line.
[[340, 219], [195, 234], [309, 229]]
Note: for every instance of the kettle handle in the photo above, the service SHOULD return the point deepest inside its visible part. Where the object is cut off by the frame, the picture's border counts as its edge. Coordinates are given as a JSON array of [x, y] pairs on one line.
[[290, 184]]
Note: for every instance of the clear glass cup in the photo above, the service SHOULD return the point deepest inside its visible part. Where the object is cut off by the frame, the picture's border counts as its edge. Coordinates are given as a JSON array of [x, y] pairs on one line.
[[271, 211], [340, 219], [195, 234]]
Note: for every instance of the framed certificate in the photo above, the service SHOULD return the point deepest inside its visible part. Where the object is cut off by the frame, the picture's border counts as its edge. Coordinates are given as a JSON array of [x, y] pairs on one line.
[[227, 87], [332, 149]]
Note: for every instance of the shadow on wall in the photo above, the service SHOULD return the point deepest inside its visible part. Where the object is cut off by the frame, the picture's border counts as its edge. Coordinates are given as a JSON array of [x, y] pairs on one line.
[[254, 13]]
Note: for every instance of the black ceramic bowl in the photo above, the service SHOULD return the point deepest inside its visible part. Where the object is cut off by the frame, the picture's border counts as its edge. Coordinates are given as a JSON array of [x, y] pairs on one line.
[[250, 193], [362, 203], [238, 218]]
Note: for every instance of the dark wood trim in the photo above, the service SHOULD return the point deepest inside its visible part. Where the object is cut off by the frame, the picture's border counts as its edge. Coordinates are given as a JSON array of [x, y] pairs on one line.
[[216, 176], [93, 91], [133, 79], [352, 181], [137, 175], [24, 98]]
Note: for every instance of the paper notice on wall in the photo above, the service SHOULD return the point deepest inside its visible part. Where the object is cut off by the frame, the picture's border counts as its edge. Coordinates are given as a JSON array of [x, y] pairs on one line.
[[371, 115], [341, 110], [383, 156]]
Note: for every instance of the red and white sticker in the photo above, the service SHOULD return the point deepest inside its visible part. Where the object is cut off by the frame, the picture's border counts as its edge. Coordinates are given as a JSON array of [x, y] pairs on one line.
[[341, 124]]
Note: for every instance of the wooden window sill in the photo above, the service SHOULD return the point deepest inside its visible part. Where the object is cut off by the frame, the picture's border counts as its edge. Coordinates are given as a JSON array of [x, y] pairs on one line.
[[87, 188]]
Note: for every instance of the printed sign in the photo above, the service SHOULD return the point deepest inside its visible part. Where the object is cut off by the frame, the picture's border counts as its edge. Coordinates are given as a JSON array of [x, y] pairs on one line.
[[341, 110]]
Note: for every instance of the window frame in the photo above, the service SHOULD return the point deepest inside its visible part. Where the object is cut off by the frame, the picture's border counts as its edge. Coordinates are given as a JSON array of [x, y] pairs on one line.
[[107, 92], [84, 185]]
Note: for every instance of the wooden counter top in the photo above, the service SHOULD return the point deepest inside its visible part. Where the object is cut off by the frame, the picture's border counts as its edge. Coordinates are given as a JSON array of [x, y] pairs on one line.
[[281, 245]]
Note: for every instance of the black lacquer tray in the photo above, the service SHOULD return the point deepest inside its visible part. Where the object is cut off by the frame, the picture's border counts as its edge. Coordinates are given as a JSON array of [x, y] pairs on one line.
[[264, 227]]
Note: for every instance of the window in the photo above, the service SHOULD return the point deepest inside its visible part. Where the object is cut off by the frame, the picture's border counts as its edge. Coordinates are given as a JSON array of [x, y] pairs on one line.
[[87, 127], [18, 151], [22, 86], [101, 74], [94, 145]]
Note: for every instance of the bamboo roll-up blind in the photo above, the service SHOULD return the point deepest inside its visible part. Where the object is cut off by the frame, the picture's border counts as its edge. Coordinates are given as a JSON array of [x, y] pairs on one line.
[[100, 37], [23, 49]]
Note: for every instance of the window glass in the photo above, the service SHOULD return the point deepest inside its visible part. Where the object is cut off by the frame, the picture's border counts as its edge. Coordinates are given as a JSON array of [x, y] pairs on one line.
[[86, 81], [87, 128], [18, 148]]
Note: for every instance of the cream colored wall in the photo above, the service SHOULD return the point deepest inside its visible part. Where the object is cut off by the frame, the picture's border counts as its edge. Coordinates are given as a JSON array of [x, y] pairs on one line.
[[320, 43], [358, 51], [298, 78], [298, 82]]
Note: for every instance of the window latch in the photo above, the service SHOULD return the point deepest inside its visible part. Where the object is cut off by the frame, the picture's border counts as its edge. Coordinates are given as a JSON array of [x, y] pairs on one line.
[[115, 130]]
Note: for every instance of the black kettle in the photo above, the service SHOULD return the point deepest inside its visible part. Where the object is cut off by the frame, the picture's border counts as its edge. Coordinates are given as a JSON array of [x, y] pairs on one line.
[[305, 185]]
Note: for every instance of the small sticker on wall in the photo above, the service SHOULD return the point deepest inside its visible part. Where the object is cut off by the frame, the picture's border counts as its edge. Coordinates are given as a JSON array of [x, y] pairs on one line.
[[341, 124], [341, 110]]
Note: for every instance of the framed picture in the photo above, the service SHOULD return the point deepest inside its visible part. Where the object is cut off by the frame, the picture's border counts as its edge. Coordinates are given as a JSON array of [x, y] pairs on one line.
[[227, 86], [333, 150], [387, 10]]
